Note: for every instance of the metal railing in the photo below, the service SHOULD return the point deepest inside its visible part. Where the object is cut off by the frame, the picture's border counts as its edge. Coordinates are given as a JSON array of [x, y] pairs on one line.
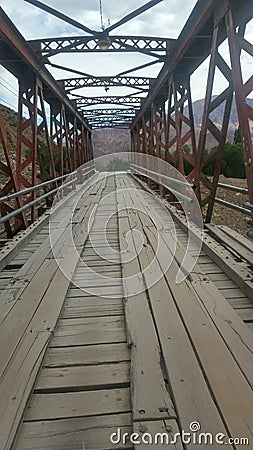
[[248, 209], [158, 178], [161, 179], [233, 206], [233, 188], [18, 211]]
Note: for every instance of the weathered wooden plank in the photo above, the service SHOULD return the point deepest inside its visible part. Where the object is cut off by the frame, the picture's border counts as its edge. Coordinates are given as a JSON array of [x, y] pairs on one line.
[[24, 276], [238, 237], [29, 333], [246, 314], [228, 375], [229, 385], [97, 323], [74, 434], [93, 274], [221, 276], [85, 282], [102, 268], [233, 293], [237, 243], [100, 291], [240, 302], [157, 435], [86, 331], [191, 393], [86, 355], [210, 268], [76, 292], [238, 272], [92, 311], [250, 326], [14, 395], [9, 251], [78, 404], [72, 302], [16, 322], [226, 284], [150, 398], [83, 378]]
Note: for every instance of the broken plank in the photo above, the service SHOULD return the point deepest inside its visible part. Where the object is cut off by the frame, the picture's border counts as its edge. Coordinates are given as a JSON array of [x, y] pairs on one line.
[[78, 404], [74, 434], [83, 378], [86, 355]]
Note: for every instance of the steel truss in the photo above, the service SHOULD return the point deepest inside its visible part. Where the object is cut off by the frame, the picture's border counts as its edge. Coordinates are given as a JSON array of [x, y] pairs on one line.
[[165, 121], [152, 46], [46, 147], [163, 124], [113, 100], [109, 112], [71, 84]]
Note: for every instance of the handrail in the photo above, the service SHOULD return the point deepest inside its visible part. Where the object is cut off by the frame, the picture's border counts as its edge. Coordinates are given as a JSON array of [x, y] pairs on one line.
[[233, 206], [143, 171], [34, 188], [30, 189], [37, 200], [233, 188]]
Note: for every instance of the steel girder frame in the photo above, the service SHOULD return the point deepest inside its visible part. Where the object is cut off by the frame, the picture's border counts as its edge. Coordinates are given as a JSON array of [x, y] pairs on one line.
[[81, 44], [179, 127], [44, 150], [71, 84], [241, 90], [7, 169]]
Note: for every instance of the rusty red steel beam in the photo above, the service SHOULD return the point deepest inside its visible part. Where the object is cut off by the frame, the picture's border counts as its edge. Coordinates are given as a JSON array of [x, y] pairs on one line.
[[192, 46], [16, 43]]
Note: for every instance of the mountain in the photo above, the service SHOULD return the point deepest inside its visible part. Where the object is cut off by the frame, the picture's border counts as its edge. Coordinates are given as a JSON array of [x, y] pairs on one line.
[[114, 140], [10, 119], [217, 114], [217, 117], [110, 140]]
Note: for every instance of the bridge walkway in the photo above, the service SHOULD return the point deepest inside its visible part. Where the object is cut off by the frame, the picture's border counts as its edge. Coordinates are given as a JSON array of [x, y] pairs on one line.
[[118, 346]]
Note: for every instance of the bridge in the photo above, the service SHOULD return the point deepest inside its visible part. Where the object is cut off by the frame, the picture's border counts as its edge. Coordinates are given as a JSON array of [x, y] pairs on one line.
[[126, 315]]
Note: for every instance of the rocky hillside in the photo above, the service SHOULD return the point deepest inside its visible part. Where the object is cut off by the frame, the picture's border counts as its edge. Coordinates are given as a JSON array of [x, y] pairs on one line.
[[10, 119], [217, 114], [113, 140], [110, 140]]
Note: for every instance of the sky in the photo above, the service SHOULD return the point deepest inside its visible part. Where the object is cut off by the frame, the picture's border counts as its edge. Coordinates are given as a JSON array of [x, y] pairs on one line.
[[164, 20]]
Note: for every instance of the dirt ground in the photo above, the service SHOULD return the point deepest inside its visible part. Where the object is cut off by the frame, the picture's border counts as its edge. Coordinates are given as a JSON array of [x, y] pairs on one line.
[[225, 216]]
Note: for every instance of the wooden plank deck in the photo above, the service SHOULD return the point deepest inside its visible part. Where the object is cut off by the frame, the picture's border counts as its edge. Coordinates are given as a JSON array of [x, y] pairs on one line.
[[108, 351]]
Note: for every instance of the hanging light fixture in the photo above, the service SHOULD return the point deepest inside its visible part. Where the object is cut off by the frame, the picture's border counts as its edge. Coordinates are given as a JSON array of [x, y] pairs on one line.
[[103, 42]]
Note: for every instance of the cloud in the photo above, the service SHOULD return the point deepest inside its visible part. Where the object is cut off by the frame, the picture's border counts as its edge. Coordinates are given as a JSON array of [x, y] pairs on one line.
[[166, 19], [154, 20]]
